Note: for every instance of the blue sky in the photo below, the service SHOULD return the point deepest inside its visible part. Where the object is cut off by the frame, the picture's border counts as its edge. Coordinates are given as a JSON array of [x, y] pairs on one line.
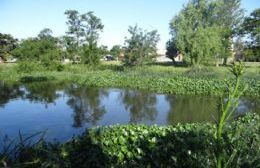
[[25, 18]]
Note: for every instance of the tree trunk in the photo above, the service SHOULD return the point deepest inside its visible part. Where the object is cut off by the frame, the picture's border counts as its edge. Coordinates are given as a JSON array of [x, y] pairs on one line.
[[225, 61]]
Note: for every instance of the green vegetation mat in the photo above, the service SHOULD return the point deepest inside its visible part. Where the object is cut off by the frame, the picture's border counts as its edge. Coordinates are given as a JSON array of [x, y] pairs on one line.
[[161, 79], [145, 146]]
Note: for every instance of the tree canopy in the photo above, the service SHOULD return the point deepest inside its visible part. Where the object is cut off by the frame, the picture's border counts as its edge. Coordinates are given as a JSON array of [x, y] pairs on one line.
[[140, 46], [41, 48], [251, 29], [83, 34], [7, 44], [203, 30]]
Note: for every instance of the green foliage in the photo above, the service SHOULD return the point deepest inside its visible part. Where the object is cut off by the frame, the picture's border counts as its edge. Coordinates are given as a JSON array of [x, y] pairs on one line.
[[7, 44], [203, 30], [141, 46], [30, 67], [172, 50], [91, 54], [45, 33], [226, 110], [27, 67], [251, 29], [115, 51], [36, 49], [181, 81], [83, 34], [145, 146]]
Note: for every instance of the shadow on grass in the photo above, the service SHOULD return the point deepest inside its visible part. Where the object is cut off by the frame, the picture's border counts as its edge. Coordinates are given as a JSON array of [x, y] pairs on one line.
[[177, 64]]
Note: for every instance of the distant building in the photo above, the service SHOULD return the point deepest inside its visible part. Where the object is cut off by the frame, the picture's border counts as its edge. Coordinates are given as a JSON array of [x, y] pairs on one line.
[[163, 59], [178, 58]]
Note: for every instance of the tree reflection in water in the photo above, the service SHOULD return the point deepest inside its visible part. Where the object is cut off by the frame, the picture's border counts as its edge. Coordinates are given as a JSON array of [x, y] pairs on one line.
[[141, 105], [45, 92], [86, 103], [202, 108], [8, 92], [185, 109]]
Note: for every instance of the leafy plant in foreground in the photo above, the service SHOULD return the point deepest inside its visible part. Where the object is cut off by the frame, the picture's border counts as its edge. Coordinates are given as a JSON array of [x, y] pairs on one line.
[[227, 109]]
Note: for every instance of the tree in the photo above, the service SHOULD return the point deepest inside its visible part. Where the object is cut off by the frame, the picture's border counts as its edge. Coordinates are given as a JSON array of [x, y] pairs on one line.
[[75, 30], [141, 46], [103, 50], [7, 44], [251, 29], [42, 48], [91, 26], [193, 34], [229, 17], [203, 30], [90, 54], [45, 33], [171, 50], [84, 32], [115, 51]]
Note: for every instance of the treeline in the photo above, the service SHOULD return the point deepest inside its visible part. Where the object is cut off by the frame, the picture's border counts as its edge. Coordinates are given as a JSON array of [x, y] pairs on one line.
[[79, 44], [206, 31], [203, 32]]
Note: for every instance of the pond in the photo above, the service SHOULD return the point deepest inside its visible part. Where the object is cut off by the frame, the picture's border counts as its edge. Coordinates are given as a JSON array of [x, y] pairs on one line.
[[66, 110]]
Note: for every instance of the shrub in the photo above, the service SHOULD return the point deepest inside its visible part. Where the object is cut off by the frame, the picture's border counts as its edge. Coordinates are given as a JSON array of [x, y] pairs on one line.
[[27, 67]]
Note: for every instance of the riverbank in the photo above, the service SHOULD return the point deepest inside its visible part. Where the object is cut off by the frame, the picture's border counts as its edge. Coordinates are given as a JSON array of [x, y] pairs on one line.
[[155, 78], [181, 145]]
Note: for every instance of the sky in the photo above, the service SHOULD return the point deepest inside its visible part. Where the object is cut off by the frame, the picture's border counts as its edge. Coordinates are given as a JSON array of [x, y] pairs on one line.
[[26, 18]]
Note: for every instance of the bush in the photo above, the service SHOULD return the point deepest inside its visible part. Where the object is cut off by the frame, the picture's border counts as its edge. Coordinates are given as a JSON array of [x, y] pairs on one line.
[[147, 146], [27, 67], [52, 65]]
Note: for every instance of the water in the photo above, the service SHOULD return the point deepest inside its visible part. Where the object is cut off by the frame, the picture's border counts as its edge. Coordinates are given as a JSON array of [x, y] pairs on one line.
[[65, 110]]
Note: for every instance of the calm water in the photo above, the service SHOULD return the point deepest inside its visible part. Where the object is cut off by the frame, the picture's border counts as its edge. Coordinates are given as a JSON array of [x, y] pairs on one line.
[[65, 110]]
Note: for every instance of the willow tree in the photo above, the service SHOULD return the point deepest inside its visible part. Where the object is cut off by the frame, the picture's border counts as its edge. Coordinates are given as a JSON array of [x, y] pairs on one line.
[[194, 35], [203, 30]]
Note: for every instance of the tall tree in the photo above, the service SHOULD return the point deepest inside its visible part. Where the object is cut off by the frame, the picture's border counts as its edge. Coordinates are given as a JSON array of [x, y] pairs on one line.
[[193, 34], [91, 26], [203, 29], [251, 29], [229, 17], [75, 30], [141, 46], [84, 30]]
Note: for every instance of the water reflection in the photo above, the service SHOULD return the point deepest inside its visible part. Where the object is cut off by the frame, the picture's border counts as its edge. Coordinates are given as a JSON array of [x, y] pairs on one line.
[[8, 92], [86, 104], [141, 105], [45, 92], [70, 108], [189, 109]]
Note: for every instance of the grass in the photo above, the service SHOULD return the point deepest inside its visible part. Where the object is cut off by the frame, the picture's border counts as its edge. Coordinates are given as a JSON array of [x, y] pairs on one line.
[[156, 78]]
